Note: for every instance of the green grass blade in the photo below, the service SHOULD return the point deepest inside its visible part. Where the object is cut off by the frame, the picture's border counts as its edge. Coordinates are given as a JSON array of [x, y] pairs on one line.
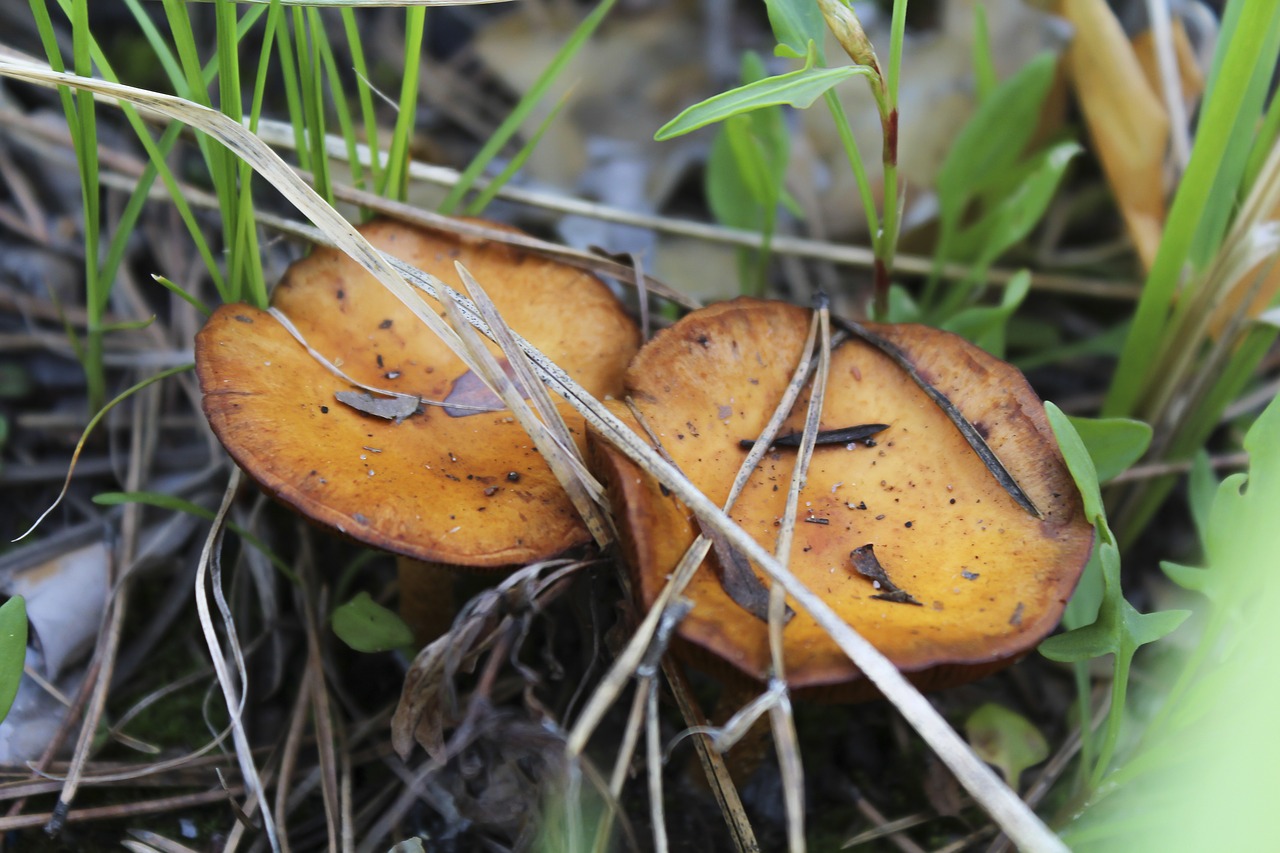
[[526, 105], [491, 190], [177, 291], [305, 24], [1251, 50], [341, 110], [395, 180], [177, 504], [169, 62], [292, 87], [364, 92], [854, 157]]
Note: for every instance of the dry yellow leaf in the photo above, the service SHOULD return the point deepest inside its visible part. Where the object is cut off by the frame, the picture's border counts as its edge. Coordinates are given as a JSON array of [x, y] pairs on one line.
[[1125, 116]]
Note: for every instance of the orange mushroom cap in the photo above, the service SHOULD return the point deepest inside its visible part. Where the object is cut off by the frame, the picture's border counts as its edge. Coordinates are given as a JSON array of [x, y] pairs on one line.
[[990, 578], [452, 486]]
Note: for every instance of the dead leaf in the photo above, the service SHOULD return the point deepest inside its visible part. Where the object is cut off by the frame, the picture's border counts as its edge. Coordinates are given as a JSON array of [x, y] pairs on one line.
[[1125, 116], [391, 408], [867, 565]]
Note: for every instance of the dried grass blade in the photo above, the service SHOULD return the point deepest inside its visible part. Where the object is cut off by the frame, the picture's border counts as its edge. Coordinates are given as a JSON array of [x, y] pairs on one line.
[[528, 379], [568, 469], [783, 725], [632, 655], [653, 765], [322, 359], [780, 718], [722, 787], [210, 564]]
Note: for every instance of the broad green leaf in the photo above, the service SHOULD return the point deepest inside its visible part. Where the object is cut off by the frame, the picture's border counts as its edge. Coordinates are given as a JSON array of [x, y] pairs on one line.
[[797, 24], [795, 88], [1007, 740], [1113, 443], [984, 325], [1079, 462], [367, 626], [995, 137], [13, 650]]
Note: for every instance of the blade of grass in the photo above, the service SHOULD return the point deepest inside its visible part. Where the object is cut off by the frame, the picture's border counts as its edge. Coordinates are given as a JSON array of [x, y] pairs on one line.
[[495, 184], [84, 134], [177, 504], [309, 30], [499, 138], [338, 98], [1250, 51], [364, 93], [395, 180]]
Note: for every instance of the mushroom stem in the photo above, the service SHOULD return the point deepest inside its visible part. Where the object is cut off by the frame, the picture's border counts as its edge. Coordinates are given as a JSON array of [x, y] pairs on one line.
[[426, 598]]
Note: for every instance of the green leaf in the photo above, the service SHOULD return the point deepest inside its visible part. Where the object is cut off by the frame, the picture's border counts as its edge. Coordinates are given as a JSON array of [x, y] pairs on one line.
[[1079, 462], [515, 120], [367, 626], [795, 88], [1010, 218], [1007, 740], [985, 78], [1246, 51], [1189, 577], [1119, 629], [1082, 609], [1113, 443], [902, 307], [985, 325], [995, 137], [798, 26], [13, 650]]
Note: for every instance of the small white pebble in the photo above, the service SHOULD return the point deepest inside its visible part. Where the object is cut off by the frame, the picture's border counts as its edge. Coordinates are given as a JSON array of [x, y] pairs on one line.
[[876, 584], [835, 486], [267, 363], [455, 529], [851, 445], [363, 457], [808, 503], [372, 472]]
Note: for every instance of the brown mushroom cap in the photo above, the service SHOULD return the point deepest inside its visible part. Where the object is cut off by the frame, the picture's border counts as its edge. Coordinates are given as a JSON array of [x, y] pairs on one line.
[[992, 579], [469, 490]]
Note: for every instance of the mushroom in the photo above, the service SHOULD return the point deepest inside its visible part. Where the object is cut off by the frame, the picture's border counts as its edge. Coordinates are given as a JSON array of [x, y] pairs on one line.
[[903, 529], [452, 481]]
